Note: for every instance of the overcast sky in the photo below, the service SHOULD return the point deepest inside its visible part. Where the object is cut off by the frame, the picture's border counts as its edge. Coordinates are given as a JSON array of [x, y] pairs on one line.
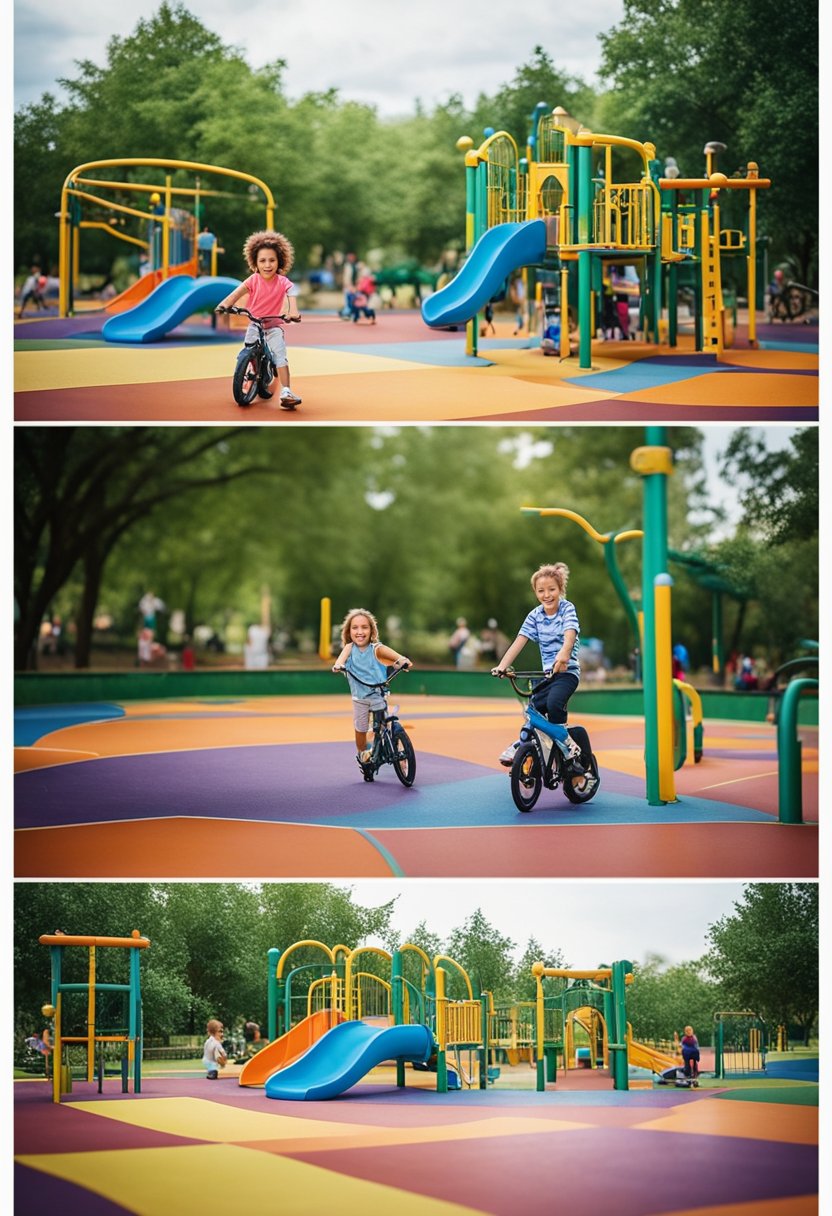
[[590, 922], [384, 52]]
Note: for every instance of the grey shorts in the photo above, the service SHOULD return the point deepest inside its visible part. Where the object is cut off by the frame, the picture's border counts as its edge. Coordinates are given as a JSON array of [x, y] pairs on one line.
[[362, 709], [276, 343]]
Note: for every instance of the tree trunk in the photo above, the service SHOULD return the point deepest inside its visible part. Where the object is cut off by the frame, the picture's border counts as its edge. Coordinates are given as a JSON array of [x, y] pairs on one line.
[[93, 571]]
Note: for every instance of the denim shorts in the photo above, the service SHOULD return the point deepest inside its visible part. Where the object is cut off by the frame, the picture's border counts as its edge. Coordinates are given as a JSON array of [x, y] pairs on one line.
[[276, 343]]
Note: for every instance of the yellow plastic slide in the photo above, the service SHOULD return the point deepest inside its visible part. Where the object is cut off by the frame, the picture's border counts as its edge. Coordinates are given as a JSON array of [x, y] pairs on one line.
[[289, 1046], [647, 1057]]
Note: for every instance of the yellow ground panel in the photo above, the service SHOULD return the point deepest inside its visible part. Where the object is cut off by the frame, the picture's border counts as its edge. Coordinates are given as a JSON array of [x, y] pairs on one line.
[[202, 1119], [759, 1121], [207, 1180], [57, 369]]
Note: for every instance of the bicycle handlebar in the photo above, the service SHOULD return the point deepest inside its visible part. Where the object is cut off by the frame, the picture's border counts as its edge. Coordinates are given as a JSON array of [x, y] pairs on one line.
[[244, 312], [513, 676], [397, 670]]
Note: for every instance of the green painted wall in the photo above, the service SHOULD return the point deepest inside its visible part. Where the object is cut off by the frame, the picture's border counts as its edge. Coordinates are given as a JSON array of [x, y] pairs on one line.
[[69, 687]]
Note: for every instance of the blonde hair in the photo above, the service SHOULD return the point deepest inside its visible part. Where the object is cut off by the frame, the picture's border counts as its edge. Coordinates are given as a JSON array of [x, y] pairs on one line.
[[348, 619], [688, 1030], [269, 239], [213, 1026], [558, 571]]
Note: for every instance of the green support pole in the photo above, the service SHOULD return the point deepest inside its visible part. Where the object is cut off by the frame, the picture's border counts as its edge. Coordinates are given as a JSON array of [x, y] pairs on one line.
[[653, 565], [273, 994], [789, 754], [618, 1048], [585, 318], [484, 1051], [397, 985], [585, 192]]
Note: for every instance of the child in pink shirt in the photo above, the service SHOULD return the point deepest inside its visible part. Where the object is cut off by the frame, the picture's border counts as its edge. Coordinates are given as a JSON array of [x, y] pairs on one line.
[[269, 256]]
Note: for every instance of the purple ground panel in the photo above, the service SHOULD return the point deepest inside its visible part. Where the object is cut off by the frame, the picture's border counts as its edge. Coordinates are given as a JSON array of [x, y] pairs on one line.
[[634, 1172], [37, 1194], [288, 783], [78, 1131]]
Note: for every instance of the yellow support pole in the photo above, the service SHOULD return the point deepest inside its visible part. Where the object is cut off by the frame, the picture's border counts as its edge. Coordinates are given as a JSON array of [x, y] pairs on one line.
[[91, 1017], [325, 635], [664, 687], [57, 1054]]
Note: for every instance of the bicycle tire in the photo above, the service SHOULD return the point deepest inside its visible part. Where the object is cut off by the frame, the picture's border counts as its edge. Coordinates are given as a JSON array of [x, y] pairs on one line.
[[795, 302], [526, 776], [404, 757], [581, 787], [246, 376]]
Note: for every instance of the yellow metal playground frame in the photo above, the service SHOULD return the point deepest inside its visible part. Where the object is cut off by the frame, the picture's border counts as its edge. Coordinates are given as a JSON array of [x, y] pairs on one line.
[[73, 189]]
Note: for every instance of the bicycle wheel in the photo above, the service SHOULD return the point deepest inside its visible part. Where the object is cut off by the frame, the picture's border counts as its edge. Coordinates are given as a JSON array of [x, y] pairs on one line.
[[526, 776], [246, 375], [404, 757], [580, 787], [795, 302]]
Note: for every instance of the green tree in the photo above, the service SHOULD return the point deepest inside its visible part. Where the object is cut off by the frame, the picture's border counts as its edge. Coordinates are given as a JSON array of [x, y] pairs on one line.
[[485, 953], [524, 984], [765, 956], [663, 998], [78, 490], [684, 73]]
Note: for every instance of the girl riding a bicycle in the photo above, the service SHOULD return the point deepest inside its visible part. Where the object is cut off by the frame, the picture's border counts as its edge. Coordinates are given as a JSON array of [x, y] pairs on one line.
[[364, 657], [269, 256], [553, 624]]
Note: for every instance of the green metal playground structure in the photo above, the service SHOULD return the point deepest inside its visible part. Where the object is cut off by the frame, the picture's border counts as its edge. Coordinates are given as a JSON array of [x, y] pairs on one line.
[[606, 201]]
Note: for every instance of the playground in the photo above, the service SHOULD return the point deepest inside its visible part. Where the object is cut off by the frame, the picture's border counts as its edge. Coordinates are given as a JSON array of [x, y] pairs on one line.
[[579, 235], [120, 788], [446, 1104]]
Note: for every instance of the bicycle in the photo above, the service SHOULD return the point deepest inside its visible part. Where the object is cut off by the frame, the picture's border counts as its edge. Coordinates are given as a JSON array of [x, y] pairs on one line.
[[791, 302], [255, 370], [391, 742], [539, 761]]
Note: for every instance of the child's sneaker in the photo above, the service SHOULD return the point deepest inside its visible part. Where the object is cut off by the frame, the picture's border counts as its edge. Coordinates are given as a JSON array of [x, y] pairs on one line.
[[288, 399], [365, 756], [212, 1076], [570, 749], [507, 757]]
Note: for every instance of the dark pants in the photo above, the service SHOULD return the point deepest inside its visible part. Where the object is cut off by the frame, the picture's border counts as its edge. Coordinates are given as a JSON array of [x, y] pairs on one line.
[[689, 1055], [551, 695]]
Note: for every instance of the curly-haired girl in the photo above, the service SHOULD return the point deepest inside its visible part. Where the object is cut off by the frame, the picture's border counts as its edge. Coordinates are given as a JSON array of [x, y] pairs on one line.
[[553, 624], [269, 256]]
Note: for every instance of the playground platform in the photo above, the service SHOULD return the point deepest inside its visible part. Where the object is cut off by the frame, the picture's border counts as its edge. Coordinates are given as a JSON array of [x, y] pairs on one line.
[[400, 370], [122, 789], [185, 1144]]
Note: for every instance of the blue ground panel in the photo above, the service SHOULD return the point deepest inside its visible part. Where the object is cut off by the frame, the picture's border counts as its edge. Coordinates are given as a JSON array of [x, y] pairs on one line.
[[33, 722]]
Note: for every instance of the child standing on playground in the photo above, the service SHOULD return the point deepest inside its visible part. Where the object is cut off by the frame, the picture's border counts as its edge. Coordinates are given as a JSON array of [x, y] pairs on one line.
[[554, 625], [269, 256], [213, 1053], [364, 657], [690, 1053]]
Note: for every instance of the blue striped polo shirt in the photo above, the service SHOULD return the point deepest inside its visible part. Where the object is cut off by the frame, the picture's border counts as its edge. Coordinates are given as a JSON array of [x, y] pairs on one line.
[[549, 631]]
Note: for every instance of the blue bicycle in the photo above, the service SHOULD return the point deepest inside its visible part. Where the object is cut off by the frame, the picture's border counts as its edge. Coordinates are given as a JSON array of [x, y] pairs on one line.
[[539, 761]]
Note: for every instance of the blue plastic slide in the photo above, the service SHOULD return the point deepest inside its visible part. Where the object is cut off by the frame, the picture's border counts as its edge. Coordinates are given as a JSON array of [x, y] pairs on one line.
[[498, 252], [344, 1055], [171, 302]]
